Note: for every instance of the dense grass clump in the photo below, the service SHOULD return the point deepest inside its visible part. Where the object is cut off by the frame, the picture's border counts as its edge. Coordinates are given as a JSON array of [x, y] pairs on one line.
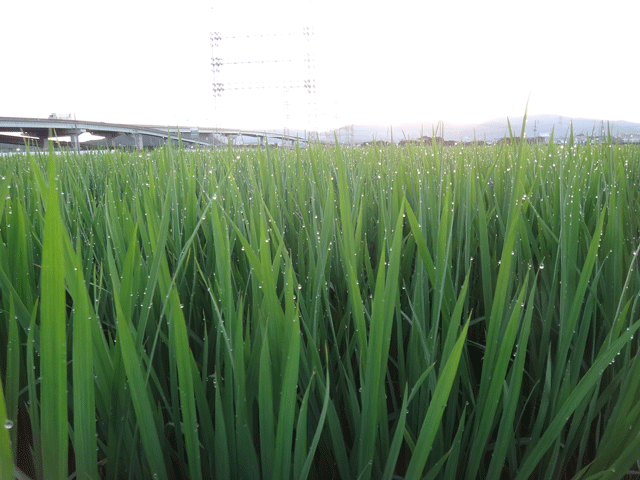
[[413, 312]]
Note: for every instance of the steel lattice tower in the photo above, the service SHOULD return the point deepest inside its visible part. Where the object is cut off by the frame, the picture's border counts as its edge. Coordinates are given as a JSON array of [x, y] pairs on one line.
[[281, 63]]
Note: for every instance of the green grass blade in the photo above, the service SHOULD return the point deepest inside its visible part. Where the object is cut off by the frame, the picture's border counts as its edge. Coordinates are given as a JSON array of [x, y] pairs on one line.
[[621, 433], [288, 396], [266, 412], [84, 411], [53, 324], [223, 469], [34, 414], [206, 420], [396, 443], [431, 422], [249, 467], [624, 461], [5, 183], [434, 472], [6, 460], [454, 464], [422, 245], [12, 379], [347, 242], [300, 446], [569, 325], [316, 436], [185, 378], [338, 441], [382, 314], [488, 408], [506, 430], [582, 389], [140, 398]]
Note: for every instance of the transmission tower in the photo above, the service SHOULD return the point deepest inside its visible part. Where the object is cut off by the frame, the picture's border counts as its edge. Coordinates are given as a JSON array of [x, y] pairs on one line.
[[269, 64]]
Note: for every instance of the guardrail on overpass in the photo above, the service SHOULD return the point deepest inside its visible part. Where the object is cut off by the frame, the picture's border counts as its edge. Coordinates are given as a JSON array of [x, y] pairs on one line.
[[17, 130]]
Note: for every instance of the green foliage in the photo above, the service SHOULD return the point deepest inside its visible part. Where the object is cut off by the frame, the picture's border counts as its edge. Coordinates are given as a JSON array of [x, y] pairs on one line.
[[398, 312]]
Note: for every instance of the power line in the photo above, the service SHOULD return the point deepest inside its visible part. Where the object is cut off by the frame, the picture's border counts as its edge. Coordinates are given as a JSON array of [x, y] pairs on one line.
[[281, 62]]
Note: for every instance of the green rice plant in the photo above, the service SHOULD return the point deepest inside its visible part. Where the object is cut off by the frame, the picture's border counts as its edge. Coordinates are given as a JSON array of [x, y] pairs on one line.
[[12, 380], [53, 325], [7, 454], [84, 404], [328, 312]]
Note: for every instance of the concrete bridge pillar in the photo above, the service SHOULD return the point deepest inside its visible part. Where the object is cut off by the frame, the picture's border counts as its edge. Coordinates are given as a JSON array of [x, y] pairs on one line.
[[43, 142], [110, 140], [75, 142], [137, 137], [209, 138]]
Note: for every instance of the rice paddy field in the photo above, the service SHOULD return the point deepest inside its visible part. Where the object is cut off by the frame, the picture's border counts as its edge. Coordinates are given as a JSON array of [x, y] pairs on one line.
[[323, 313]]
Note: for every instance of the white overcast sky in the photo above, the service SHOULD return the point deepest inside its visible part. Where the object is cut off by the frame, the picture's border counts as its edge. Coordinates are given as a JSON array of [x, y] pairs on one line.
[[375, 62]]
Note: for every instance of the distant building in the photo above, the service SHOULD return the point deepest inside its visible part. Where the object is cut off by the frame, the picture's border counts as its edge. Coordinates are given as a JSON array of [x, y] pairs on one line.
[[61, 116]]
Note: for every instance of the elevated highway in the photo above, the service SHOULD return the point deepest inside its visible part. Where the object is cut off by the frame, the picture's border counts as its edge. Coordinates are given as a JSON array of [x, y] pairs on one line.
[[36, 131]]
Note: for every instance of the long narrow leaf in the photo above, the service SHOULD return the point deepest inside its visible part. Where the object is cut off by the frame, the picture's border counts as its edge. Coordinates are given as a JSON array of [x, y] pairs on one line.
[[139, 396], [6, 460], [582, 388], [53, 324], [438, 403]]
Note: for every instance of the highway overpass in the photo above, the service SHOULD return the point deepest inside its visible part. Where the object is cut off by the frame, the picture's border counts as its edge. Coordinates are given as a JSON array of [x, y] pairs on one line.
[[36, 131]]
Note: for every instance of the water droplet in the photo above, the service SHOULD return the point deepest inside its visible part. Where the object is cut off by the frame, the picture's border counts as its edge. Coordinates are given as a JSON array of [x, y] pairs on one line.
[[8, 424]]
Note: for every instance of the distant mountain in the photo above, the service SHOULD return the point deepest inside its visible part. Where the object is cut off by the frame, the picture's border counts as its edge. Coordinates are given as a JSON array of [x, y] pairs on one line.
[[492, 130]]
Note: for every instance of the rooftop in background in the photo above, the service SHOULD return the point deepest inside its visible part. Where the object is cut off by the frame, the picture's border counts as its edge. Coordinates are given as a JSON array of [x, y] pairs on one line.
[[494, 130]]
